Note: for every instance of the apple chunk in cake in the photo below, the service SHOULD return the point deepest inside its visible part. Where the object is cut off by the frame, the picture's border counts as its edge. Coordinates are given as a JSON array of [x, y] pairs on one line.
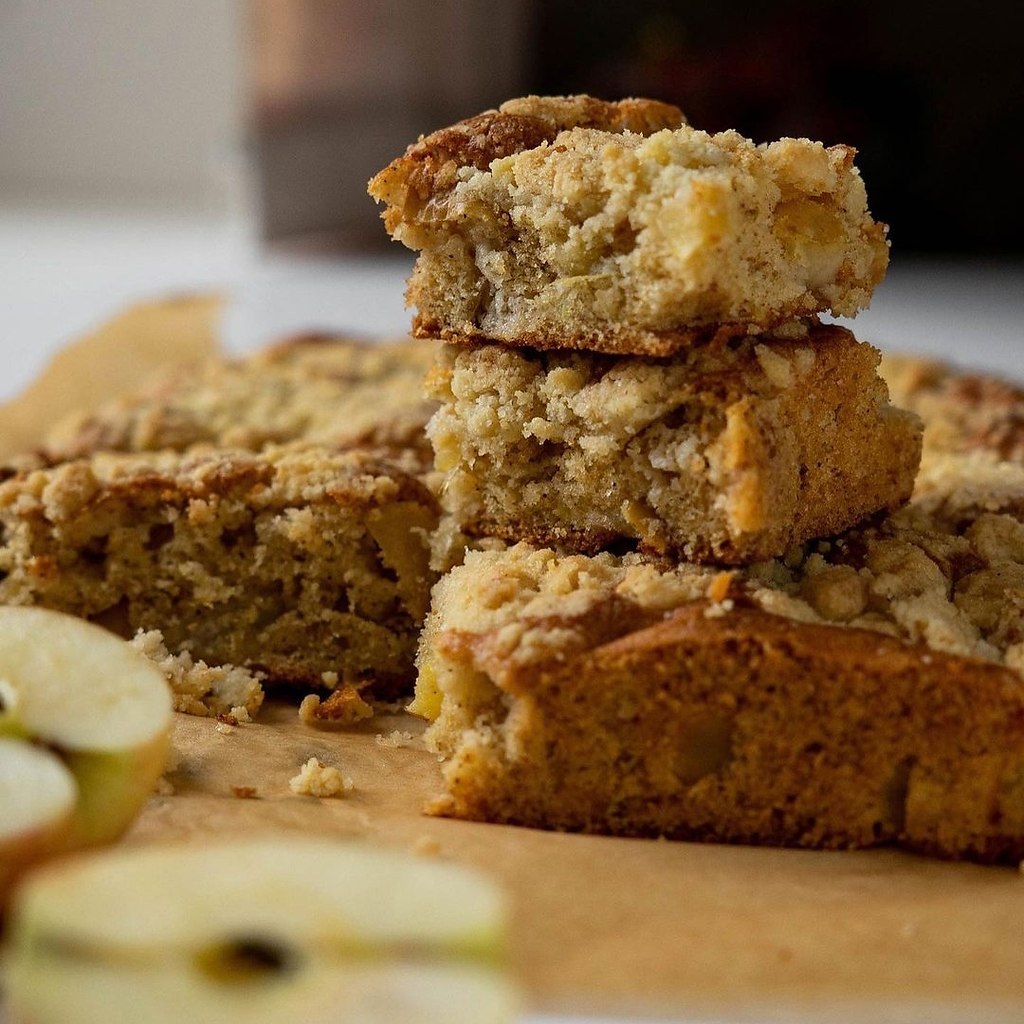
[[624, 237], [293, 563], [727, 452], [866, 690]]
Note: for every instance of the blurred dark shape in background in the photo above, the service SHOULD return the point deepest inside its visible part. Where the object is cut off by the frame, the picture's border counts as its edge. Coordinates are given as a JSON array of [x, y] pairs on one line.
[[342, 86], [929, 94]]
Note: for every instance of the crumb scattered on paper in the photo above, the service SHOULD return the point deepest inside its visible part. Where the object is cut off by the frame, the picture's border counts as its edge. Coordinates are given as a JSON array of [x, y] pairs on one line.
[[716, 611], [201, 689], [426, 846], [307, 709], [343, 707], [396, 739], [318, 779], [245, 792]]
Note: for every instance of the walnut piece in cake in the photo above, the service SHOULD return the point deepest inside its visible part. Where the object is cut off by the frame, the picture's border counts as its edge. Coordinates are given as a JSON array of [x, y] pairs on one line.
[[313, 389], [863, 690], [727, 452], [292, 563], [572, 223]]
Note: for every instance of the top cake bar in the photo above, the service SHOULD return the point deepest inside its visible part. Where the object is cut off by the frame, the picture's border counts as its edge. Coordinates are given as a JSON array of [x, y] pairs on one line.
[[558, 222]]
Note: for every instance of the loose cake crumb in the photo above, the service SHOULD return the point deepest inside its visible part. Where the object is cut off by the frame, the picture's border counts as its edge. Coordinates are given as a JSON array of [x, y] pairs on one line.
[[307, 709], [245, 792], [201, 689], [344, 706], [716, 611], [164, 787], [426, 846], [318, 779], [224, 728], [395, 740]]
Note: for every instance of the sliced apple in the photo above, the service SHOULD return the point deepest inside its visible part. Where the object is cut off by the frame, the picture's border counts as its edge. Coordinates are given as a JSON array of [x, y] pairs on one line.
[[258, 931], [37, 802], [103, 708]]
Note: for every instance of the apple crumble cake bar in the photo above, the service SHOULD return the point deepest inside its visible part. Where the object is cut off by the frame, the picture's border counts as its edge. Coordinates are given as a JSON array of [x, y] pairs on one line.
[[730, 452], [863, 690], [572, 223], [295, 563], [970, 413], [314, 389]]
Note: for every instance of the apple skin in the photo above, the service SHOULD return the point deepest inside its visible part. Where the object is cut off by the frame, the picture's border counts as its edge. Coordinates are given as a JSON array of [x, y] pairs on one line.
[[112, 788]]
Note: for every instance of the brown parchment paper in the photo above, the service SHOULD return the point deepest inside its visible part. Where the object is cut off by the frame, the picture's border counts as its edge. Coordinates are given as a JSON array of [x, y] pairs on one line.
[[612, 926], [118, 356]]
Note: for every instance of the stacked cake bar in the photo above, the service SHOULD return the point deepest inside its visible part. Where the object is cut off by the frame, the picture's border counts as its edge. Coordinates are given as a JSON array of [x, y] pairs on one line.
[[632, 351], [710, 618]]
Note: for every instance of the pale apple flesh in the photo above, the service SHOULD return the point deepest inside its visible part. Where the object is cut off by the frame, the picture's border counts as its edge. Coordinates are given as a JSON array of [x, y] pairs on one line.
[[262, 931], [69, 992], [87, 698], [37, 803]]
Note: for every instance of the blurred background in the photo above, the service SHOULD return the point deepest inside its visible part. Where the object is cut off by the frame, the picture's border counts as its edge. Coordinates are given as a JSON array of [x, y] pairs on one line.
[[291, 105], [207, 141]]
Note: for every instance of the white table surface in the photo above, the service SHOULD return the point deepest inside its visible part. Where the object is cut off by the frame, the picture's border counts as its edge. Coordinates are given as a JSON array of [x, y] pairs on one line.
[[64, 271]]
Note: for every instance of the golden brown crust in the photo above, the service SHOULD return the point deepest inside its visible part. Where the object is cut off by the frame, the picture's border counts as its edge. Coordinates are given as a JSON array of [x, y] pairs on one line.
[[640, 116], [748, 727], [519, 124]]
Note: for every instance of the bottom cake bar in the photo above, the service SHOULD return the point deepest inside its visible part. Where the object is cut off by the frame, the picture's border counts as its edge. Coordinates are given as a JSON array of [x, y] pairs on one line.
[[294, 563], [863, 691]]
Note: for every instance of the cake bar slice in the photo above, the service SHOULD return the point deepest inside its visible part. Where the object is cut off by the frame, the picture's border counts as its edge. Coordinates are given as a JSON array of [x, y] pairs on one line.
[[964, 412], [730, 452], [313, 389], [865, 690], [561, 222], [293, 563]]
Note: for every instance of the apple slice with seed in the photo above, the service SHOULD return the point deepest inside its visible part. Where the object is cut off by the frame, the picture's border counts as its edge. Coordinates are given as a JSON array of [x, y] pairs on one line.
[[87, 698], [257, 932]]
